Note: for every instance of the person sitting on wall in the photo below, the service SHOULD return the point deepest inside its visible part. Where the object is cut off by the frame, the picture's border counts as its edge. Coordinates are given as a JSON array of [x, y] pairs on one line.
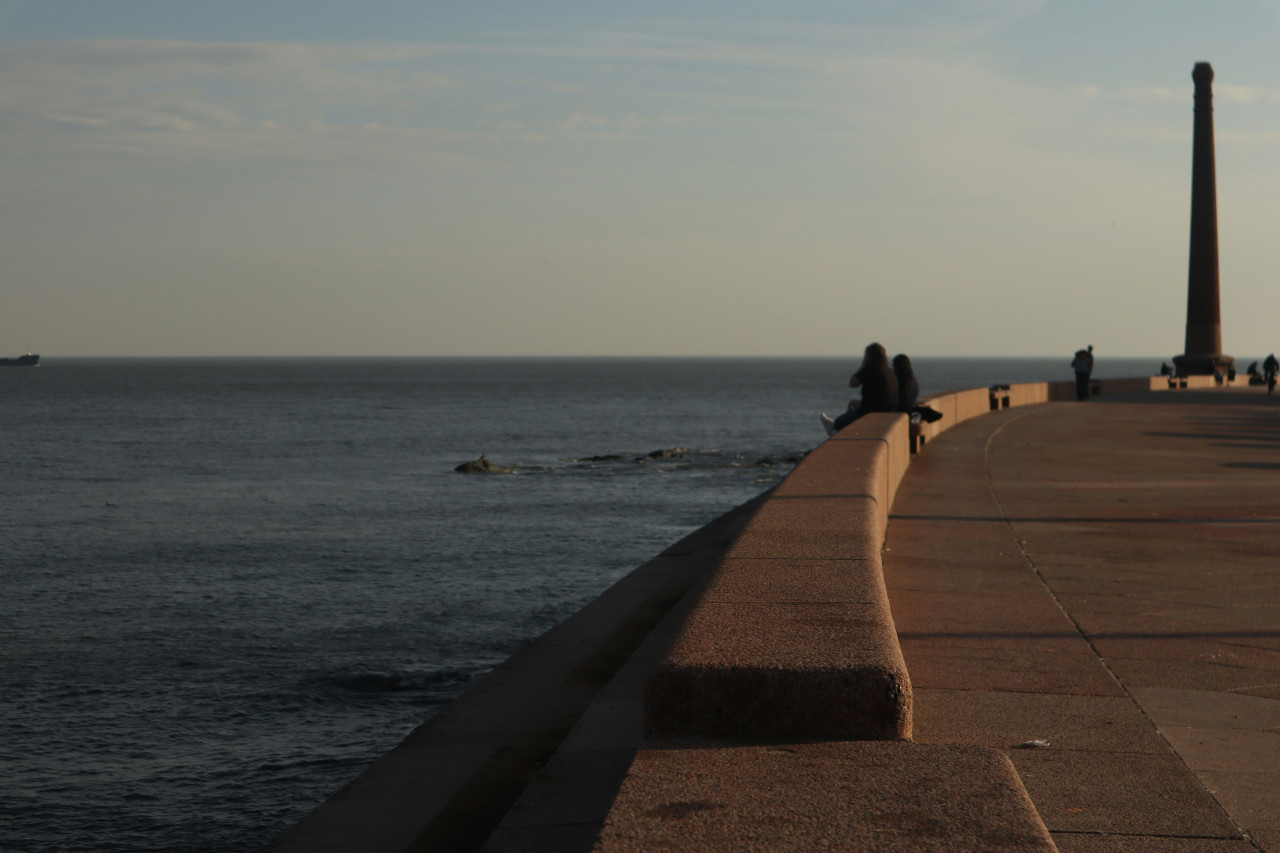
[[909, 391], [879, 389], [1082, 364]]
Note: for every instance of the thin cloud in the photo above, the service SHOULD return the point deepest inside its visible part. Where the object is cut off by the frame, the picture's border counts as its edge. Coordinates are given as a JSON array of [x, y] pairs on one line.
[[151, 95]]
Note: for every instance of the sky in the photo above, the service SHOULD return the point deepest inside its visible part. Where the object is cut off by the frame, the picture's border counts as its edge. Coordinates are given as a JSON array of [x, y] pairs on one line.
[[561, 177]]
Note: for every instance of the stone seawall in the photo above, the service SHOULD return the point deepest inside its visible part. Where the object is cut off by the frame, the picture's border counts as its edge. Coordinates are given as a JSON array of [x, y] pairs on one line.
[[768, 626]]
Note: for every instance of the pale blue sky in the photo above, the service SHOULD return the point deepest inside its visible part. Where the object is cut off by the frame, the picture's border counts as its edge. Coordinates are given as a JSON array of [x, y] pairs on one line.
[[987, 177]]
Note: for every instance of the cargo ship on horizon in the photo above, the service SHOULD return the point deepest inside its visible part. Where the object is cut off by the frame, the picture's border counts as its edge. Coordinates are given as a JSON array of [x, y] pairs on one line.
[[28, 360]]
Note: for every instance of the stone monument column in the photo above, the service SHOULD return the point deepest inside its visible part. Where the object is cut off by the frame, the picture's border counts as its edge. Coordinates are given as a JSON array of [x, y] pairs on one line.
[[1203, 352]]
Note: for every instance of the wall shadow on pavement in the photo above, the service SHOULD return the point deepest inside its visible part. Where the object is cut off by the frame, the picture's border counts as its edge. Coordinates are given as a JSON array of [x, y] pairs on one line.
[[1234, 421]]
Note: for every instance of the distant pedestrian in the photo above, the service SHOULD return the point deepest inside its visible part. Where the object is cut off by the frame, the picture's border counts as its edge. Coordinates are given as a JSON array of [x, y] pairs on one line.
[[1082, 364], [879, 389], [1269, 368]]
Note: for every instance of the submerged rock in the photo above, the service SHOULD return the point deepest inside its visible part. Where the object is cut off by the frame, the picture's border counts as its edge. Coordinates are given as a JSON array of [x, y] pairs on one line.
[[672, 453], [482, 466]]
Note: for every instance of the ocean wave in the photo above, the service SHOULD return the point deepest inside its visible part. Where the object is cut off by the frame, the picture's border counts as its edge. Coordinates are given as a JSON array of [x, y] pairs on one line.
[[398, 681], [686, 458], [665, 459]]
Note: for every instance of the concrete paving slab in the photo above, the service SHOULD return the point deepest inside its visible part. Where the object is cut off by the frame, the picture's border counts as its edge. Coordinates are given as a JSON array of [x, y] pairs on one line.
[[1226, 750], [1145, 539], [1142, 602], [1025, 607], [1121, 581], [1156, 641], [1174, 626], [1193, 675], [1129, 793], [1018, 665], [1005, 720], [1254, 624], [1266, 691], [1267, 839], [1263, 593], [935, 574], [1208, 709], [1254, 798]]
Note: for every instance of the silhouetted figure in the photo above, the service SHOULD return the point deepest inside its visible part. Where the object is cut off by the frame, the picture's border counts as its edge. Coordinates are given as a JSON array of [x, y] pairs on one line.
[[1166, 369], [909, 392], [908, 387], [1269, 368], [1082, 364], [879, 389]]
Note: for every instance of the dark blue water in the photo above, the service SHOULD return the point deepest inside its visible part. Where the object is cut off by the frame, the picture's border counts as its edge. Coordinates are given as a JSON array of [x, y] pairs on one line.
[[227, 585]]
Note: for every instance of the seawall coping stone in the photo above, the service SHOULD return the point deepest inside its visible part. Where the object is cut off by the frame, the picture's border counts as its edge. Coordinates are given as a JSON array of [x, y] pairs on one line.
[[840, 468], [789, 670], [831, 796], [889, 429], [779, 664], [813, 581]]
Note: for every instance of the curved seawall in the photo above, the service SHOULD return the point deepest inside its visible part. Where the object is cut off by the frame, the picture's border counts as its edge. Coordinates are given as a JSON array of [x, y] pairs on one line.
[[769, 626]]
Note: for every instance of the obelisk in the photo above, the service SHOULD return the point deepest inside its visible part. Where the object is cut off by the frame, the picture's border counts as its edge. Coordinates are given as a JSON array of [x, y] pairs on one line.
[[1203, 353]]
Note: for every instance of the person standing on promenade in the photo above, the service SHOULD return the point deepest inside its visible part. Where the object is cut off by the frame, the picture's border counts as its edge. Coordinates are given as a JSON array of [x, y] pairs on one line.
[[879, 389], [1082, 364], [1269, 368]]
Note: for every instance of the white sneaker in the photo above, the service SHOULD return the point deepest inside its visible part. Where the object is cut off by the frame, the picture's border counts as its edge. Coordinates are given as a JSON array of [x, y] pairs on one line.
[[828, 423]]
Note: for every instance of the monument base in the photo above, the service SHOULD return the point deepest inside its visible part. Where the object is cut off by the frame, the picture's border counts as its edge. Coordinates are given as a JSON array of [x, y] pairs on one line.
[[1202, 365]]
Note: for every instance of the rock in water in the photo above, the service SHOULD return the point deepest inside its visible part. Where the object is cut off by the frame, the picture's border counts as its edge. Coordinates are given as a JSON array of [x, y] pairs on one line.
[[481, 466], [672, 453]]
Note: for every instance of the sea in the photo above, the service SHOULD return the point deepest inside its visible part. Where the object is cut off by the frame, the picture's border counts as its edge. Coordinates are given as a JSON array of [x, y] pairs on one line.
[[228, 585]]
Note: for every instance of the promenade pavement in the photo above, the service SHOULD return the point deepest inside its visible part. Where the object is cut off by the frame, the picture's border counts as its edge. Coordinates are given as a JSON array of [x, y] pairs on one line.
[[1095, 588]]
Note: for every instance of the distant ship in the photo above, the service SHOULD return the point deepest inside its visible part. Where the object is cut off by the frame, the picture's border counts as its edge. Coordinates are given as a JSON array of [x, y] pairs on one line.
[[27, 360]]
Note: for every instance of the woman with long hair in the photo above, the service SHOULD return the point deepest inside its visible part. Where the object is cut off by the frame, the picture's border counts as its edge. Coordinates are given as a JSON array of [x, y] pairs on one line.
[[908, 388], [879, 389]]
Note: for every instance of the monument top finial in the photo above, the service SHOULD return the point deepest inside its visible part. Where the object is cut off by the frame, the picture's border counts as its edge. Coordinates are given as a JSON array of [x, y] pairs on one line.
[[1202, 74]]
